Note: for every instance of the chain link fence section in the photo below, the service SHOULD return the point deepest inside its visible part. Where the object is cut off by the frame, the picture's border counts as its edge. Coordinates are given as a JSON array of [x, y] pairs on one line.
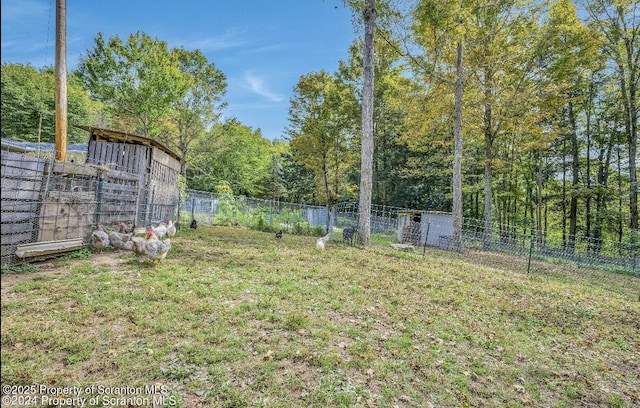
[[266, 215], [418, 228]]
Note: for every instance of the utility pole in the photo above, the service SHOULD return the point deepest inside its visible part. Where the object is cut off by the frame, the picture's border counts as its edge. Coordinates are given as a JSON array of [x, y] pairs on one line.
[[61, 80]]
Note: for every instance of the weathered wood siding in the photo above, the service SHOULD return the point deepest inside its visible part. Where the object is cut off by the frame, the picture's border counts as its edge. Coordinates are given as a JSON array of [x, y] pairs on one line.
[[157, 195], [132, 158], [163, 186]]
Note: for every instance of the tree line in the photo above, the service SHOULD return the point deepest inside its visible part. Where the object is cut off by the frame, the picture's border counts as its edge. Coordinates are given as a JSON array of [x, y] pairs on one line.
[[520, 114]]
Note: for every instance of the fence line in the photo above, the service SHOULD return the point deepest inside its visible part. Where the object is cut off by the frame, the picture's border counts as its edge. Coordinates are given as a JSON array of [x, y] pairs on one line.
[[46, 200], [210, 208]]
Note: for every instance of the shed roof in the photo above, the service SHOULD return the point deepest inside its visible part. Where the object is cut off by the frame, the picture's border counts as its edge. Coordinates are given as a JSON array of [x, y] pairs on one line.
[[118, 136]]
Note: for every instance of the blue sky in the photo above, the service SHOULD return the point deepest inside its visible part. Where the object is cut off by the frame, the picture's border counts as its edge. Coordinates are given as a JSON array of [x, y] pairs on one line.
[[262, 46]]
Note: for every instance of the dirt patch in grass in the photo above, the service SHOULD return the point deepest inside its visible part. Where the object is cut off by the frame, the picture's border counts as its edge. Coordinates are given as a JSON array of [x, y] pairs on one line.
[[54, 269]]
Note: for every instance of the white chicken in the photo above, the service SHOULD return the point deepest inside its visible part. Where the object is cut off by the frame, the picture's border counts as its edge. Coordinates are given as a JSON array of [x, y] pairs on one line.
[[160, 230], [171, 229], [99, 239], [320, 242], [156, 249]]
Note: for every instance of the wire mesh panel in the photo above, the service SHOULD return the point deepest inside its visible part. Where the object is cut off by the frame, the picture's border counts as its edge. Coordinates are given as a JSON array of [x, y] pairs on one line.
[[222, 209], [47, 201], [22, 186]]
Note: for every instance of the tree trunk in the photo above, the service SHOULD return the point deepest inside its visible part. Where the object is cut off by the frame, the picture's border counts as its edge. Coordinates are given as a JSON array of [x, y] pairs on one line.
[[457, 154], [588, 171], [325, 179], [564, 192], [366, 169], [601, 197], [539, 201], [629, 91], [488, 177], [575, 167]]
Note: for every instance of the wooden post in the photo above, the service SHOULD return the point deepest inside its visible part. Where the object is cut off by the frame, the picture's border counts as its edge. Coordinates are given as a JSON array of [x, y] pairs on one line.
[[61, 80]]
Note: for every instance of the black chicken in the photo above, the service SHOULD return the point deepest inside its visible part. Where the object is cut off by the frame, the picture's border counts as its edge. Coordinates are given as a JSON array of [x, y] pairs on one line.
[[279, 234], [194, 224]]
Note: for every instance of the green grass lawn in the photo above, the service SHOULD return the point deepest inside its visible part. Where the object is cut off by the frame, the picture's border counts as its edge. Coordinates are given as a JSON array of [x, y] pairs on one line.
[[235, 318]]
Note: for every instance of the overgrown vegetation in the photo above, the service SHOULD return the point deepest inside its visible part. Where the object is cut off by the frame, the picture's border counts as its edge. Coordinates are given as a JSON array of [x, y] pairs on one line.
[[236, 318]]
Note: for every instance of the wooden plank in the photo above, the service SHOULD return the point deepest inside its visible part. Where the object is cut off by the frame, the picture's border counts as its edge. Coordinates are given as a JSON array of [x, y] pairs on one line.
[[22, 195], [122, 156], [66, 168], [162, 157], [18, 160], [20, 172], [122, 175], [121, 189], [91, 151], [49, 248], [98, 159], [12, 193]]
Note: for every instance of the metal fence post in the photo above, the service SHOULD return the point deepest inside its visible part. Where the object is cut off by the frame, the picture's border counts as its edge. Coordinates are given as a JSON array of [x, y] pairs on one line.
[[99, 196], [179, 200], [530, 253], [426, 238]]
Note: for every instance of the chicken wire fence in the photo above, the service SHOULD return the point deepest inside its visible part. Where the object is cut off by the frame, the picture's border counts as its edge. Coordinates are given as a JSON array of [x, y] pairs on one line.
[[208, 208], [59, 203]]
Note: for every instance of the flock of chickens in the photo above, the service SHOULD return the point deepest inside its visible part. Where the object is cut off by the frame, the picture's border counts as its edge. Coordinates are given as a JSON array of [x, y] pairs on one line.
[[152, 245], [156, 248]]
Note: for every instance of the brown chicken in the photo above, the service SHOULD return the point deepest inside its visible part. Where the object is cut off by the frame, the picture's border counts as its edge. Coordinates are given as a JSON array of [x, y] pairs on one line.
[[99, 239], [117, 239], [126, 228], [136, 244]]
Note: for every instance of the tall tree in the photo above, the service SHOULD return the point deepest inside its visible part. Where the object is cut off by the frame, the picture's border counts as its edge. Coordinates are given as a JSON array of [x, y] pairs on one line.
[[200, 107], [320, 131], [138, 80], [618, 22], [569, 59], [366, 166]]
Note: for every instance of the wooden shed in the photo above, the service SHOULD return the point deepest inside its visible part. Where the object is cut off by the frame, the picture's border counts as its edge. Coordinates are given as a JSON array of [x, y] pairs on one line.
[[156, 166]]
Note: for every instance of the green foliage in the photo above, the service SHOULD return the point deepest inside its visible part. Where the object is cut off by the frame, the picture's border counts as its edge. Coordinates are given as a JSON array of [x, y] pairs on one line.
[[83, 253], [217, 323], [20, 268], [138, 80], [235, 154], [322, 131], [262, 224], [28, 105]]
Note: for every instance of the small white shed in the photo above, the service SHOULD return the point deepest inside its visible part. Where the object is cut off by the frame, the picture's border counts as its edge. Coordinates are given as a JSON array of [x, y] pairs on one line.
[[434, 228]]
